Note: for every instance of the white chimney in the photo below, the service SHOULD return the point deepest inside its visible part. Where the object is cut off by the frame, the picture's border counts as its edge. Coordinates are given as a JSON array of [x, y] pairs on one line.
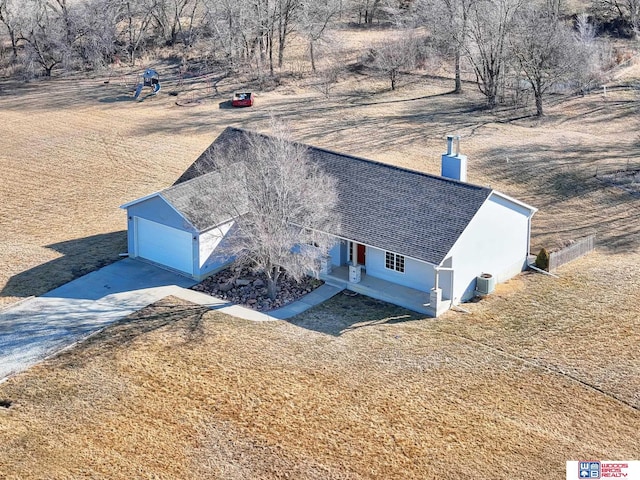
[[454, 165]]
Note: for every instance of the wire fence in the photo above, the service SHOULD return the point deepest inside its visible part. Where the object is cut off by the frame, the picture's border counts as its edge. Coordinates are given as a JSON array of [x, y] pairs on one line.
[[573, 251]]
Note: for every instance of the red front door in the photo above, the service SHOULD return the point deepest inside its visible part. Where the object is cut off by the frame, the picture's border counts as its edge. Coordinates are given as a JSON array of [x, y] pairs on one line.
[[361, 254]]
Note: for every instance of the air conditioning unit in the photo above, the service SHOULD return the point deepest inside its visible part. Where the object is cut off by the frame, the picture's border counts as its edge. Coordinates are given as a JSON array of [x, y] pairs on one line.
[[485, 284]]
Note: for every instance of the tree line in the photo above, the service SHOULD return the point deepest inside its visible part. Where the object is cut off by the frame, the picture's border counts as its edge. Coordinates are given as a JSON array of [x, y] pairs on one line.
[[507, 47], [73, 34]]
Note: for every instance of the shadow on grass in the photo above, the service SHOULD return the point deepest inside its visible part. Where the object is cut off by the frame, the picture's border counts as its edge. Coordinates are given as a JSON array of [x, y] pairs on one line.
[[120, 98], [345, 313], [79, 257], [557, 177], [182, 320], [357, 101]]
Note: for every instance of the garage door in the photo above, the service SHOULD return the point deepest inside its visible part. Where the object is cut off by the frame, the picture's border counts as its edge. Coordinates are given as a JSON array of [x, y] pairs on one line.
[[164, 245]]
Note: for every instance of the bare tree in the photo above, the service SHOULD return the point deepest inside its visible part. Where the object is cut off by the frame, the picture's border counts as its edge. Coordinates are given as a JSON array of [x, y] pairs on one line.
[[232, 29], [393, 56], [490, 23], [174, 19], [136, 17], [625, 12], [62, 33], [281, 202], [10, 18], [68, 19], [187, 24], [314, 21], [256, 29], [96, 43], [592, 55], [44, 36], [328, 75], [366, 10], [545, 49], [327, 79], [448, 23], [285, 16], [585, 31]]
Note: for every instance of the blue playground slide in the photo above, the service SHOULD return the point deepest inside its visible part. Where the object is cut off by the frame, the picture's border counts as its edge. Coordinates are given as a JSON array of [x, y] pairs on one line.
[[138, 90], [156, 88]]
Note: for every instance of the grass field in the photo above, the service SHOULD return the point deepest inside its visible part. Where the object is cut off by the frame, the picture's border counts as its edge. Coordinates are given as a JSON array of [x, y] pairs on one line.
[[75, 149], [354, 388]]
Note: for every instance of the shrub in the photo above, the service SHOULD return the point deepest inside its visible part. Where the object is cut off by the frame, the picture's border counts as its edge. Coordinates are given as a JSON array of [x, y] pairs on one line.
[[542, 260]]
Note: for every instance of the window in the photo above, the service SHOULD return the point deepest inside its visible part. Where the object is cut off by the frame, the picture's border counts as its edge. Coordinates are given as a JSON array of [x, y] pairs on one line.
[[394, 261]]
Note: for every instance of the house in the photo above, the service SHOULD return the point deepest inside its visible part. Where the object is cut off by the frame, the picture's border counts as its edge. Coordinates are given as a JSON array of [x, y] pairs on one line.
[[422, 241]]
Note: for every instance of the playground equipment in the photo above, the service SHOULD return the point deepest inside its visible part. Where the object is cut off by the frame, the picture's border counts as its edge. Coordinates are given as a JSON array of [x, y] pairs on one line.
[[149, 78]]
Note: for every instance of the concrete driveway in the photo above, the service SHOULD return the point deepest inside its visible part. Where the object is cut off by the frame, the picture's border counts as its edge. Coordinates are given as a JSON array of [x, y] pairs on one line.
[[39, 327]]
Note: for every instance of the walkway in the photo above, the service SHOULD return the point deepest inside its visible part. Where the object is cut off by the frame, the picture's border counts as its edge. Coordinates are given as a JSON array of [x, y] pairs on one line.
[[37, 328]]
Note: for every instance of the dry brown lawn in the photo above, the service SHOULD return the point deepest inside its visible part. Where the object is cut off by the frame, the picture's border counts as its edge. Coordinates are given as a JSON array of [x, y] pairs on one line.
[[354, 388], [543, 371], [74, 149]]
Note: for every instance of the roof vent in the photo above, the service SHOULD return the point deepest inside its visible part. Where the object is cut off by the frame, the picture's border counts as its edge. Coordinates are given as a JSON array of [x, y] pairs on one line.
[[454, 165]]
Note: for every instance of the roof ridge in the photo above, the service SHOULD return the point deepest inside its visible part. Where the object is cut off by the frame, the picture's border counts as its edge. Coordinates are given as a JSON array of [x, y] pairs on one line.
[[373, 162], [430, 211], [185, 182]]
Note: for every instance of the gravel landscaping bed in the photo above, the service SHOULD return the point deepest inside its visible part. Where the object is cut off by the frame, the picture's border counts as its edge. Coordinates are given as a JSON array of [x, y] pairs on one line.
[[245, 287]]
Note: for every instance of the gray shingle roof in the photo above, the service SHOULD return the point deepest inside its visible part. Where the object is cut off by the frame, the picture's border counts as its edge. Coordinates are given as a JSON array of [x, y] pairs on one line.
[[392, 208], [206, 161], [195, 200]]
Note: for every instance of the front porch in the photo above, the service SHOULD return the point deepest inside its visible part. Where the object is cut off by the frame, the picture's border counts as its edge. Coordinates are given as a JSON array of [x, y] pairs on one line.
[[384, 290]]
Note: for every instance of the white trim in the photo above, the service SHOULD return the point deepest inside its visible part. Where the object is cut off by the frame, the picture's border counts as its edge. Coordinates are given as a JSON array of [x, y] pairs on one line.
[[140, 200], [528, 252], [513, 200], [395, 261], [159, 194], [509, 199], [217, 225], [179, 213]]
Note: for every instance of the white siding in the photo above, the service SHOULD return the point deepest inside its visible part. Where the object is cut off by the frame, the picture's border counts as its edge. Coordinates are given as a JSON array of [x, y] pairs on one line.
[[418, 275], [495, 242], [157, 210], [164, 245], [210, 240], [217, 248]]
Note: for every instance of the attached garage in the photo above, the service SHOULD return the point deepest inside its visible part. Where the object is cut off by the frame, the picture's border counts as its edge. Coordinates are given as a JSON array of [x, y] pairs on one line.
[[180, 229], [164, 245]]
